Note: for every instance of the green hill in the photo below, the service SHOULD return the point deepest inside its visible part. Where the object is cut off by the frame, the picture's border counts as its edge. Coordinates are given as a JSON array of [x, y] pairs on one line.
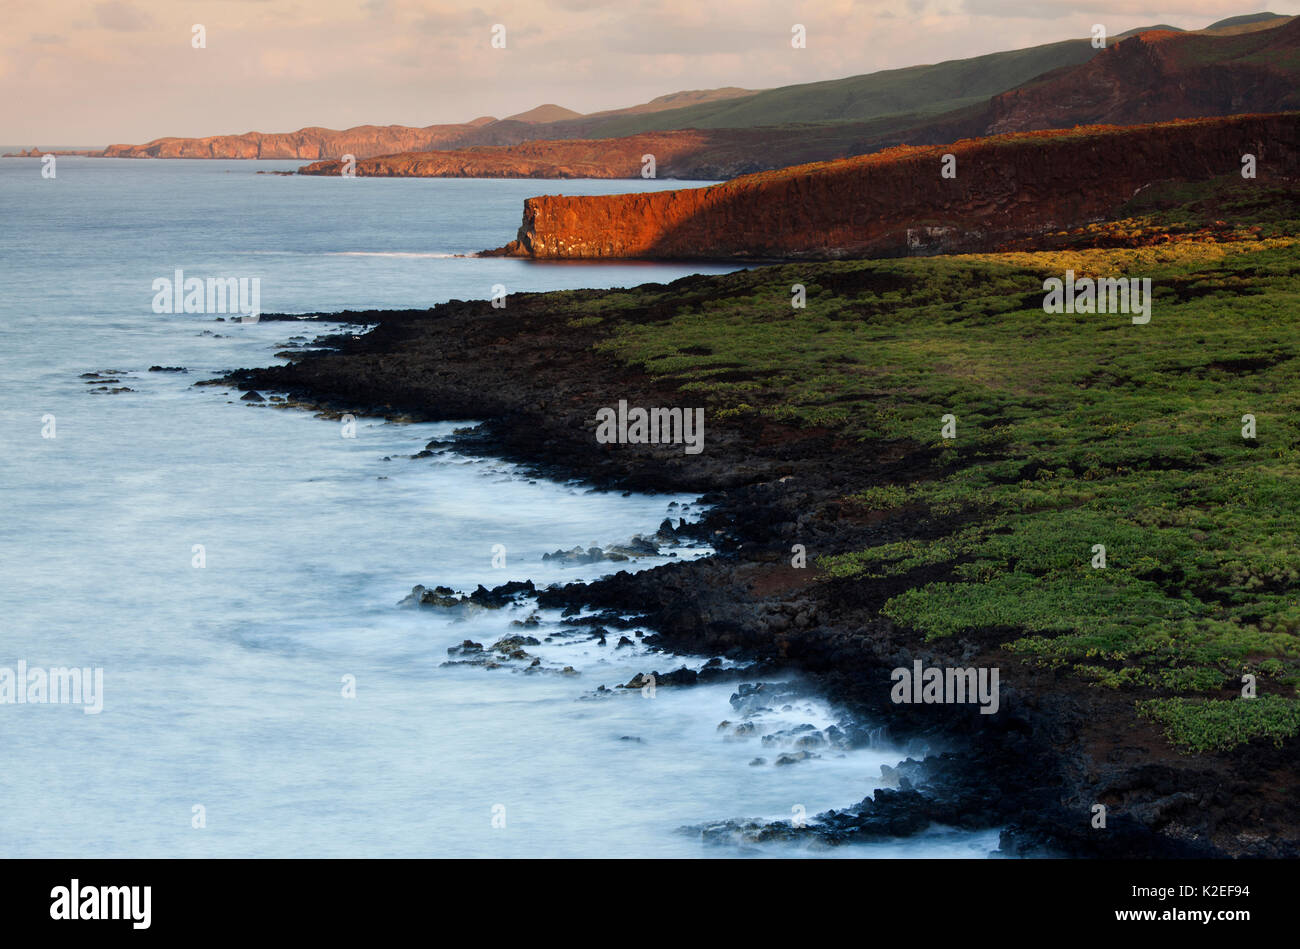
[[1244, 19], [918, 90], [893, 100]]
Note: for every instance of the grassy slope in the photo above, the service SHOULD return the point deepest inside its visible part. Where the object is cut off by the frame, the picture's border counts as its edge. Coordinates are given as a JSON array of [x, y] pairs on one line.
[[1246, 19], [898, 99], [1257, 48], [1073, 430], [917, 91], [923, 103]]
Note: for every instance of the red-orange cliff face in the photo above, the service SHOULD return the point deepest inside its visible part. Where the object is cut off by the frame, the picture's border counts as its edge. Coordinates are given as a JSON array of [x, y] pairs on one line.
[[308, 143], [896, 202]]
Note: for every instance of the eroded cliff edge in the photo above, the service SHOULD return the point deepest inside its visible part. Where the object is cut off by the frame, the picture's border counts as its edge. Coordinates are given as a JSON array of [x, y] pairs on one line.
[[899, 202]]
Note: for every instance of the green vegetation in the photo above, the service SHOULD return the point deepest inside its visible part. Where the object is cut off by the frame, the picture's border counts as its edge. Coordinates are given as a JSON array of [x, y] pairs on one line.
[[1073, 430], [909, 94], [1272, 210], [1245, 19], [1242, 48], [1218, 726]]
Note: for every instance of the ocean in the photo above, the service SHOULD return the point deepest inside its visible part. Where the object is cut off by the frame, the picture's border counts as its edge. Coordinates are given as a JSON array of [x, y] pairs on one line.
[[233, 570]]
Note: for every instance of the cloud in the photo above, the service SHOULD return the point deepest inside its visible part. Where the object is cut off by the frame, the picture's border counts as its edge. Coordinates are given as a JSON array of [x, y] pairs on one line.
[[702, 37], [121, 16], [290, 63], [294, 65], [1096, 10], [442, 21], [582, 6]]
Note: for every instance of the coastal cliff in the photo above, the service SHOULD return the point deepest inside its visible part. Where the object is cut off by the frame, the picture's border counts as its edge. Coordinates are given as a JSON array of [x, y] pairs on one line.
[[897, 203], [600, 158], [307, 143], [694, 154]]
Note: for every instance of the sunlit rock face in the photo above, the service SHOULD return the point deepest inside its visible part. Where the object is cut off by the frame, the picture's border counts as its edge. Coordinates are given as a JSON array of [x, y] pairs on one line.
[[899, 202]]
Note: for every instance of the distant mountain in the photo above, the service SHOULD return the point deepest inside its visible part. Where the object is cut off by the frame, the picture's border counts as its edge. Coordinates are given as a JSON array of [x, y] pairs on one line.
[[674, 100], [679, 100], [1246, 24], [1165, 27], [309, 143], [1245, 19], [545, 113]]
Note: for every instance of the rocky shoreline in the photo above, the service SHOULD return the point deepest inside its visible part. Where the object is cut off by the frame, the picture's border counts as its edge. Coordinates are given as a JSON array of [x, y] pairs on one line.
[[1055, 748]]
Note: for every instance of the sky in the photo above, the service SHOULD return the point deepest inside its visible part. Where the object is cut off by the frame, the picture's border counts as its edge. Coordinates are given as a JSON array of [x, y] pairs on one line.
[[97, 72]]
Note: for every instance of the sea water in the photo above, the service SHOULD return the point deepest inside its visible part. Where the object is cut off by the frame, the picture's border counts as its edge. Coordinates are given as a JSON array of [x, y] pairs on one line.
[[234, 571]]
